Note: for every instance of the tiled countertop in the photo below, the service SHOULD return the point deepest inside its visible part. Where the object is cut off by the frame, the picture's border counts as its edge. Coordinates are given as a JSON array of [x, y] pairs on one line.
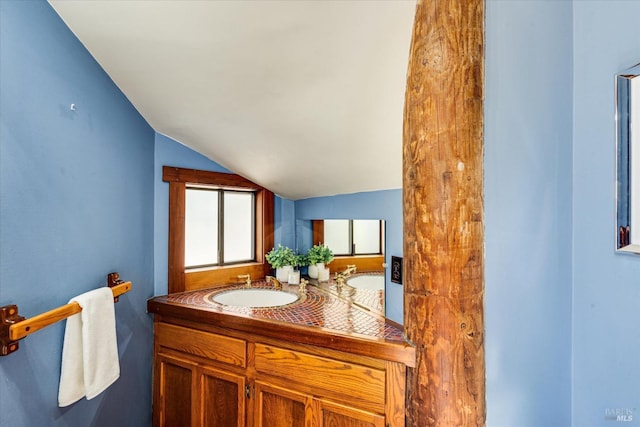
[[372, 300], [320, 317]]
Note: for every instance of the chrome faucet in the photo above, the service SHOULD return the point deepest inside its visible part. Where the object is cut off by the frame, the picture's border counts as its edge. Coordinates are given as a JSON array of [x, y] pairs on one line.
[[246, 277], [276, 282]]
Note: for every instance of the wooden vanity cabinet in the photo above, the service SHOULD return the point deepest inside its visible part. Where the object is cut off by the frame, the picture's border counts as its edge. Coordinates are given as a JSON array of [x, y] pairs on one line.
[[282, 407], [199, 378], [190, 394], [225, 378]]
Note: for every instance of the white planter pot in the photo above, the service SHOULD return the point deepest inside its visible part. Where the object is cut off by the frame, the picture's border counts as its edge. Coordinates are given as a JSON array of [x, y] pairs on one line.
[[282, 273], [323, 274], [294, 277], [313, 269]]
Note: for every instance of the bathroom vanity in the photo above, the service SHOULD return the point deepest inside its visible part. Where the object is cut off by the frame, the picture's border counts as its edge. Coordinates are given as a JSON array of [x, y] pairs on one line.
[[319, 361]]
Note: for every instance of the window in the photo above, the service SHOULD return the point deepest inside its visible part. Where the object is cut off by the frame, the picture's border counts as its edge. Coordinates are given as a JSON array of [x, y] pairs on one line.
[[220, 225], [350, 237]]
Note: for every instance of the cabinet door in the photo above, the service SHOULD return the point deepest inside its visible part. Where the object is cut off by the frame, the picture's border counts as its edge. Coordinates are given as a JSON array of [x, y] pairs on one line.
[[174, 379], [222, 399], [335, 415], [280, 407]]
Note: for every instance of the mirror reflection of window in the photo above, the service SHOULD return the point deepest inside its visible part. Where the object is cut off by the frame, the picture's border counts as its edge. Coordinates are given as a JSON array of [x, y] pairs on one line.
[[366, 237], [337, 236], [353, 237]]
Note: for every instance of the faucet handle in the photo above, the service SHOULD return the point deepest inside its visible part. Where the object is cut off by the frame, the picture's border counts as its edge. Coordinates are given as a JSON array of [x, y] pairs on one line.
[[276, 283], [246, 277], [303, 285]]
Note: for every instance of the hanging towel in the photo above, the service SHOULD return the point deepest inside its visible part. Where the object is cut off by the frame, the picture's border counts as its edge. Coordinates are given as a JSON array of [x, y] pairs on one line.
[[90, 351]]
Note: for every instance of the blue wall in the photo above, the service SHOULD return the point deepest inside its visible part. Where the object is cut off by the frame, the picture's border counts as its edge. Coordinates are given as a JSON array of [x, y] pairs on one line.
[[284, 230], [76, 202], [562, 342], [168, 152], [81, 195], [528, 175], [384, 204], [606, 286]]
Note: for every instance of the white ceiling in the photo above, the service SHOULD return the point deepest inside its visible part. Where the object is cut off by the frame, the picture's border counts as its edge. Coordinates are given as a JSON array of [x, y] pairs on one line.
[[303, 97]]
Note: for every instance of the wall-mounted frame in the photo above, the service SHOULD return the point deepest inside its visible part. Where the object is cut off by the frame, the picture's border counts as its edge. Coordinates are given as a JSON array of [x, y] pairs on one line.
[[628, 160]]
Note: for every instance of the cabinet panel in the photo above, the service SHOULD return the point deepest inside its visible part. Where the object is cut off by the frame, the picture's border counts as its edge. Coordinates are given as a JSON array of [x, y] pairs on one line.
[[202, 378], [278, 407], [205, 344], [222, 401], [174, 379], [335, 415], [358, 384]]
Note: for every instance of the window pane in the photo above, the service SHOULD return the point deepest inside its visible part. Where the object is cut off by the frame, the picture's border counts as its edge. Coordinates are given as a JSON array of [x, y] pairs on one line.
[[366, 236], [238, 226], [201, 227], [336, 236]]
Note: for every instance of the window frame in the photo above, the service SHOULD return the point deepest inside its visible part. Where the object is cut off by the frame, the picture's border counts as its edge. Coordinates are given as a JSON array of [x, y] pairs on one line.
[[220, 194], [181, 279]]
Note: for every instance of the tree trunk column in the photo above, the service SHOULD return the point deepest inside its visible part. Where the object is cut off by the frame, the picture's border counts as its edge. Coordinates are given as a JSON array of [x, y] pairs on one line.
[[443, 214]]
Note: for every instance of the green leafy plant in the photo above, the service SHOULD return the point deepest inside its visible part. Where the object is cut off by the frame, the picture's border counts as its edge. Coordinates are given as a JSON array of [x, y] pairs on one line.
[[320, 253], [281, 256], [302, 260]]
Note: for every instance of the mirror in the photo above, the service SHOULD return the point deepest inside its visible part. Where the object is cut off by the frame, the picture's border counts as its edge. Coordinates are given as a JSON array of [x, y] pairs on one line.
[[628, 160], [354, 242]]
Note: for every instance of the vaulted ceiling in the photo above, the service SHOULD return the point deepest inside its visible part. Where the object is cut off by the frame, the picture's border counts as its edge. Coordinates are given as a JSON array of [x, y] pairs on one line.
[[305, 98]]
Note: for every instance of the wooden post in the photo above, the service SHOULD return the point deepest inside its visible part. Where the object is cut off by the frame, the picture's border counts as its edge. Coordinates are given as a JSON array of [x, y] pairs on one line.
[[443, 214]]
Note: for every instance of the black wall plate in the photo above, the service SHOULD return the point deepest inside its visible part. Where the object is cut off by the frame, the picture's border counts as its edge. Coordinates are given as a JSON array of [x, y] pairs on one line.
[[396, 269]]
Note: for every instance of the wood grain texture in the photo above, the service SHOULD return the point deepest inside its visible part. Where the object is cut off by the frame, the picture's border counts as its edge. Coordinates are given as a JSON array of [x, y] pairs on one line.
[[358, 385], [222, 398], [443, 213], [324, 338], [280, 407], [221, 276], [177, 234], [219, 179], [211, 346], [28, 326], [337, 415], [174, 380], [363, 263], [179, 279], [288, 384], [396, 387]]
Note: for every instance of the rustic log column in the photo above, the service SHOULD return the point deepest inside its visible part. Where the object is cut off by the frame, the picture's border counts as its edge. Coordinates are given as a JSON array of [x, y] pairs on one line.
[[443, 214]]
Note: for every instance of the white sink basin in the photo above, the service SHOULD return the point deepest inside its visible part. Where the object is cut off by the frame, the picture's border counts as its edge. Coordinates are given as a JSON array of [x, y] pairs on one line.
[[255, 298], [368, 281]]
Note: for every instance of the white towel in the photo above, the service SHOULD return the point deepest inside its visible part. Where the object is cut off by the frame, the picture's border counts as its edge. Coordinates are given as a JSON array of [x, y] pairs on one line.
[[90, 351]]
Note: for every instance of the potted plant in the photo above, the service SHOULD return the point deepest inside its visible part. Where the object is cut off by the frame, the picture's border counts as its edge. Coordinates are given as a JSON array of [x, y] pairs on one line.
[[282, 260], [300, 260], [318, 256]]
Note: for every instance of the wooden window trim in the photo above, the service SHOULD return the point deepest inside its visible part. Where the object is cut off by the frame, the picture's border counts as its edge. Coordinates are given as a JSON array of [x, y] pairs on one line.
[[180, 279]]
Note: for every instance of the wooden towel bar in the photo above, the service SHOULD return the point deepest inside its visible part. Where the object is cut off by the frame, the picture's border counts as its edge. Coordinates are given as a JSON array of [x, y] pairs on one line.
[[14, 327]]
